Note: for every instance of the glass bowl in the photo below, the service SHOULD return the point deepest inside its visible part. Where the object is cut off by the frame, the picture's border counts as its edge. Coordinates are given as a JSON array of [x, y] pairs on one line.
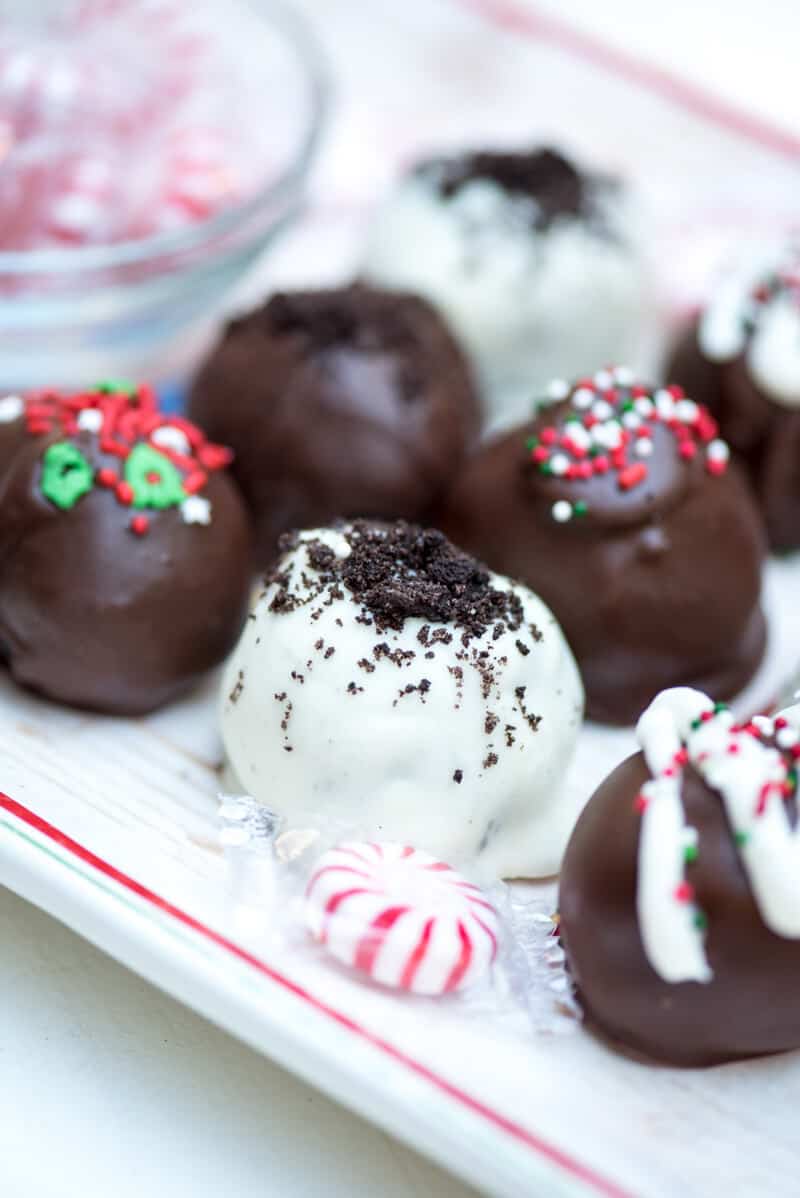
[[72, 315]]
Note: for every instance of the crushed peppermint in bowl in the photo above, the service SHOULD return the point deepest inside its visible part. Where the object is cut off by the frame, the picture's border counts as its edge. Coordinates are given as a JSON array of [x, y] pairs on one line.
[[132, 193]]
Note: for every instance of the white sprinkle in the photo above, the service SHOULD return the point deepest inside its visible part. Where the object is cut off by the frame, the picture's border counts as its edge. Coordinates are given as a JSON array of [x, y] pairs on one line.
[[11, 408], [686, 410], [764, 724], [665, 404], [583, 398], [90, 420], [558, 389], [603, 379], [643, 447], [602, 409], [578, 435], [562, 511], [786, 738], [623, 375], [644, 406], [631, 420], [717, 451], [172, 438], [196, 510], [559, 463], [608, 435]]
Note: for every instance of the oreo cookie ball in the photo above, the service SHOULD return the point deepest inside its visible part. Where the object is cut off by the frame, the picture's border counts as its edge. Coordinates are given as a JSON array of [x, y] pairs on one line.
[[125, 552], [532, 260], [679, 894], [742, 359], [618, 506], [347, 402], [388, 686]]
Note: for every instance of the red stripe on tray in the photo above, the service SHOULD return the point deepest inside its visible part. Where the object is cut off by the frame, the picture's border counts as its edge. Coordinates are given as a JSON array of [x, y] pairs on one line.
[[541, 1147], [541, 26]]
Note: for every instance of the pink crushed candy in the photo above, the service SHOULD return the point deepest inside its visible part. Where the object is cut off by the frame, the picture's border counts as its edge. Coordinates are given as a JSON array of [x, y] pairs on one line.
[[119, 121]]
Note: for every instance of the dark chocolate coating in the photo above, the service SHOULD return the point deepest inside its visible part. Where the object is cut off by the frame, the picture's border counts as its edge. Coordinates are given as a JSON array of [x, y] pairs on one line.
[[97, 617], [13, 436], [748, 1008], [764, 435], [350, 402], [654, 587]]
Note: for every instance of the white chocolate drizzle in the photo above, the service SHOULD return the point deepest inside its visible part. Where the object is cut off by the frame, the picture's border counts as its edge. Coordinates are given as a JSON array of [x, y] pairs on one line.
[[756, 311], [683, 727]]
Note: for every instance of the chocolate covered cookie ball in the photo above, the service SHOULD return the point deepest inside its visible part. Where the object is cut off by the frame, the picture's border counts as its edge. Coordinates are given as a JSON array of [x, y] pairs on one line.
[[13, 429], [349, 402], [387, 685], [125, 552], [618, 505], [742, 359], [680, 894], [533, 260]]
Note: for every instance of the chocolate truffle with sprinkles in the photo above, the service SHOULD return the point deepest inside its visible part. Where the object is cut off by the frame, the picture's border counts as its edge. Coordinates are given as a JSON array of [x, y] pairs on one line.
[[125, 551], [348, 402], [742, 359], [679, 896], [618, 504], [533, 260], [388, 685]]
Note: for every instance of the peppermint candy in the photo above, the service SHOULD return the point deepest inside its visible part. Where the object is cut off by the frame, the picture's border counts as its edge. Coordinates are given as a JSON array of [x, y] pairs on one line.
[[400, 916]]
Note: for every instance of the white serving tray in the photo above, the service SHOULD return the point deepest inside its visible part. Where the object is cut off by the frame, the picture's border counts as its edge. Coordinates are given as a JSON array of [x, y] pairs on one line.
[[110, 825]]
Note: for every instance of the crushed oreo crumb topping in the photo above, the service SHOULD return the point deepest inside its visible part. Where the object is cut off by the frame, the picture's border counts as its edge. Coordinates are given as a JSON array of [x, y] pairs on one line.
[[401, 571]]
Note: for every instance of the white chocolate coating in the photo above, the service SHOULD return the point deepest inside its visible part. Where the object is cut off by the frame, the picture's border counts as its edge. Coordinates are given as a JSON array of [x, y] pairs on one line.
[[335, 737], [528, 304], [748, 779], [767, 332]]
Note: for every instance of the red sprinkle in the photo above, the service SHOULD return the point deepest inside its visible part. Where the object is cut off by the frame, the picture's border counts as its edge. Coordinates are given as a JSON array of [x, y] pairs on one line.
[[684, 892], [540, 454], [140, 525], [548, 436], [124, 493], [106, 477], [687, 449], [640, 803], [632, 476]]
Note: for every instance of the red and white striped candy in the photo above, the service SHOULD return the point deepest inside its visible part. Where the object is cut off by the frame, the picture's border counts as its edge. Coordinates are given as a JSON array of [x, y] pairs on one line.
[[402, 917]]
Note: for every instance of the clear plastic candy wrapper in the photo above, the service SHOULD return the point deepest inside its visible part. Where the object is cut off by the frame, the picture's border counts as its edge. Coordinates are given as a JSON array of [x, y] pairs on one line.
[[396, 917]]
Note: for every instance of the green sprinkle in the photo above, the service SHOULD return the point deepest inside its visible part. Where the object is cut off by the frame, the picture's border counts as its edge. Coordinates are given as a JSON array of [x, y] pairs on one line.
[[66, 475], [700, 920], [741, 838], [695, 724], [580, 508], [718, 707], [531, 443], [690, 853], [545, 468], [627, 406], [155, 481], [117, 387]]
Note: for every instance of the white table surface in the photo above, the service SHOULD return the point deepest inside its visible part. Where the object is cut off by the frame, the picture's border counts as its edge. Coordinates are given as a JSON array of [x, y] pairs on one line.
[[107, 1087]]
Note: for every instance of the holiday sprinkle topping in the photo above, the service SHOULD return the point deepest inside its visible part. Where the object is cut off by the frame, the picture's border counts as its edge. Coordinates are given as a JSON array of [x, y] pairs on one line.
[[160, 461], [608, 430]]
